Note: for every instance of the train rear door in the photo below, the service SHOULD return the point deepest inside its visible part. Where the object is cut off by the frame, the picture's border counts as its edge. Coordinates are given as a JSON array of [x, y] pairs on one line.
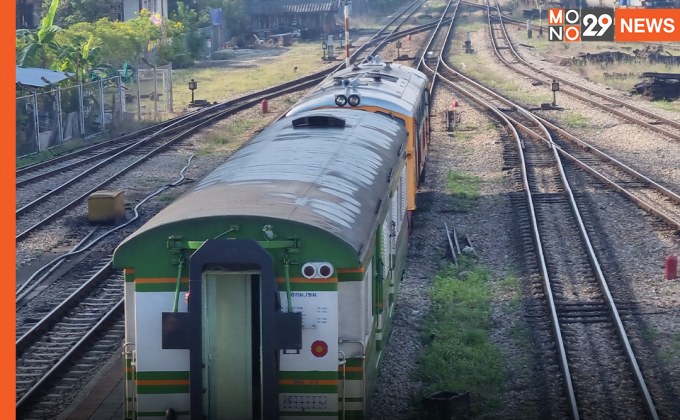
[[231, 337]]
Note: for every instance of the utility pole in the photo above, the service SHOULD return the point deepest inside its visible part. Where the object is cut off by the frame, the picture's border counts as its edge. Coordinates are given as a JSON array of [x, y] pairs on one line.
[[347, 4]]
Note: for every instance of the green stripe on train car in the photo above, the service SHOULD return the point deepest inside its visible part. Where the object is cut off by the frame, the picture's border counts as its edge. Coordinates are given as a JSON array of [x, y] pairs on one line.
[[307, 375], [353, 276], [163, 375], [160, 287], [308, 414], [160, 413], [163, 389], [128, 276]]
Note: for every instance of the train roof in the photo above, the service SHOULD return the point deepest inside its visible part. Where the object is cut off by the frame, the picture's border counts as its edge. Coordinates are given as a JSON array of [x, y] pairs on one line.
[[329, 169], [381, 84]]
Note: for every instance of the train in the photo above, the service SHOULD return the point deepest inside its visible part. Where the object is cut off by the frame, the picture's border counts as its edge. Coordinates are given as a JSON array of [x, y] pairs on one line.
[[268, 290], [395, 90]]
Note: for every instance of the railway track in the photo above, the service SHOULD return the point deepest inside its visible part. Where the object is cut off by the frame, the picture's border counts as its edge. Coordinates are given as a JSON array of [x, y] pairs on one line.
[[572, 281], [510, 57], [76, 328], [62, 179], [68, 343]]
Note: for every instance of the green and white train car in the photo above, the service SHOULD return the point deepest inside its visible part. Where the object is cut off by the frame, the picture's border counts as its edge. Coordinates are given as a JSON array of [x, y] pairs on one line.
[[268, 290]]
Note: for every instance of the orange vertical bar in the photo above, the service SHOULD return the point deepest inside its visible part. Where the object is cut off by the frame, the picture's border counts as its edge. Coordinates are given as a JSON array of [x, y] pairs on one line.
[[8, 120]]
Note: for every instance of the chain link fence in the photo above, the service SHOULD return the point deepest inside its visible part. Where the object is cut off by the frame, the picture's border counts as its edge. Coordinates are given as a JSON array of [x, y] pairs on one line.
[[48, 119]]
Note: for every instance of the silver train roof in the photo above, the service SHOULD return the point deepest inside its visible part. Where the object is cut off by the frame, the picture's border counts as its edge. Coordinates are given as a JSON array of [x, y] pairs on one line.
[[382, 84], [332, 178]]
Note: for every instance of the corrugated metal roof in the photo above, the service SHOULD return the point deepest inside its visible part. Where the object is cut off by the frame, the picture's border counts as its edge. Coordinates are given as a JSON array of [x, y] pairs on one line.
[[292, 6], [39, 77], [333, 179]]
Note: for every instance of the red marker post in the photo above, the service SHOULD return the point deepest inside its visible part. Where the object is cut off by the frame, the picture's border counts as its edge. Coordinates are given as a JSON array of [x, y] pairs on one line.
[[671, 271]]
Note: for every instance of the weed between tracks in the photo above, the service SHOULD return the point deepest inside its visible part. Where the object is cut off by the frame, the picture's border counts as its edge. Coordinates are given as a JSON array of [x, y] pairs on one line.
[[464, 189], [459, 355]]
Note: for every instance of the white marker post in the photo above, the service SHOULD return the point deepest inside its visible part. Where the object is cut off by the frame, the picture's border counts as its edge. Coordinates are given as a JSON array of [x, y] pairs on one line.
[[347, 4]]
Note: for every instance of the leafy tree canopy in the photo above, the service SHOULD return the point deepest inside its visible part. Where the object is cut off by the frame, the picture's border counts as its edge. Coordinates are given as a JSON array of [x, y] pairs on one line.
[[74, 11]]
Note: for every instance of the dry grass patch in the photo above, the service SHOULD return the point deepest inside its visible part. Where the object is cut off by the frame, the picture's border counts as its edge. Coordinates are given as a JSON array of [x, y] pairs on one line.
[[217, 84]]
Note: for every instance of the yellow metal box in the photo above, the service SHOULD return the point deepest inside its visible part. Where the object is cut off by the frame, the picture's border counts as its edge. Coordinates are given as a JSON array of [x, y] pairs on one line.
[[106, 206]]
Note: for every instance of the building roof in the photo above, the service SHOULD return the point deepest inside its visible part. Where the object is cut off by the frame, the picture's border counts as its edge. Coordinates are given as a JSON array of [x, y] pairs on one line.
[[39, 77], [292, 6]]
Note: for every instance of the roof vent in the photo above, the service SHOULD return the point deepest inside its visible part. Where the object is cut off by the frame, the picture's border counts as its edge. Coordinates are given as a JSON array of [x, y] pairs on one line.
[[318, 121], [338, 80], [375, 75]]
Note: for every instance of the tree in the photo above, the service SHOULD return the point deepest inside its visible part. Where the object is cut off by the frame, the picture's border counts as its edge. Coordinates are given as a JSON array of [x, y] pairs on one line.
[[235, 16], [38, 43], [79, 58], [118, 42], [190, 19], [74, 11]]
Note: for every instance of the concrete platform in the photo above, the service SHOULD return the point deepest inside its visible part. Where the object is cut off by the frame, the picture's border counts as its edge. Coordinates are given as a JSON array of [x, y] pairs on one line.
[[103, 397]]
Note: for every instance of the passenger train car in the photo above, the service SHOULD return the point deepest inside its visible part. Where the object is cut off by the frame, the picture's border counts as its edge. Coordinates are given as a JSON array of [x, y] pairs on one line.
[[268, 290], [397, 91]]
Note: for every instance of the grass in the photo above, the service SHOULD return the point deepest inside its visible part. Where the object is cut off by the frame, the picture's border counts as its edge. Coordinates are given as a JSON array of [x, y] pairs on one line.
[[67, 147], [596, 71], [217, 139], [575, 120], [219, 84], [459, 355], [511, 285], [464, 190], [473, 66]]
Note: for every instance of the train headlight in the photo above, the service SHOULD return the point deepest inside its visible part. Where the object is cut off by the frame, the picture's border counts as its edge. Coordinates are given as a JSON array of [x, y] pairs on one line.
[[340, 100], [309, 271], [354, 100], [325, 270], [317, 270]]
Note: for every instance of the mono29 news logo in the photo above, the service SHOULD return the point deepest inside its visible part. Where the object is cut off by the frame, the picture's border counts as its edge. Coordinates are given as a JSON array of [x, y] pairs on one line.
[[620, 25]]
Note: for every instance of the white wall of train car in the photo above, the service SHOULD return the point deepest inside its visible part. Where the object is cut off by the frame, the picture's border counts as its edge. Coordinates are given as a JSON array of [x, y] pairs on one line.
[[317, 372], [152, 359]]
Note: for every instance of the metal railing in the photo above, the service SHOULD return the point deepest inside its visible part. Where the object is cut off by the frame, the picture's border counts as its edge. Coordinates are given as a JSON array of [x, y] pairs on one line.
[[48, 119]]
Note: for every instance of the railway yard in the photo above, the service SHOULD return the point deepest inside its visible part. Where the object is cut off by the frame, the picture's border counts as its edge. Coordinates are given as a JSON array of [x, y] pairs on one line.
[[579, 202]]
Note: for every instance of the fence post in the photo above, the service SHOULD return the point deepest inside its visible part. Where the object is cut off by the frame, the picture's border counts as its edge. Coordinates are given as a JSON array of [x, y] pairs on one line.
[[121, 96], [170, 88], [139, 99], [101, 104], [60, 122], [165, 90], [155, 94], [36, 121], [81, 109]]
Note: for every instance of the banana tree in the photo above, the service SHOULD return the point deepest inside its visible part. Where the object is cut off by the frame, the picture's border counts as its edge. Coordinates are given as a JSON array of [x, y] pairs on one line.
[[39, 42], [79, 59]]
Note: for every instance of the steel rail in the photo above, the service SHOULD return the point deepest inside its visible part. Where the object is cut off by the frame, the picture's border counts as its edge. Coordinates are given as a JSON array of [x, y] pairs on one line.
[[594, 264], [23, 342], [187, 118], [535, 70], [41, 384]]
